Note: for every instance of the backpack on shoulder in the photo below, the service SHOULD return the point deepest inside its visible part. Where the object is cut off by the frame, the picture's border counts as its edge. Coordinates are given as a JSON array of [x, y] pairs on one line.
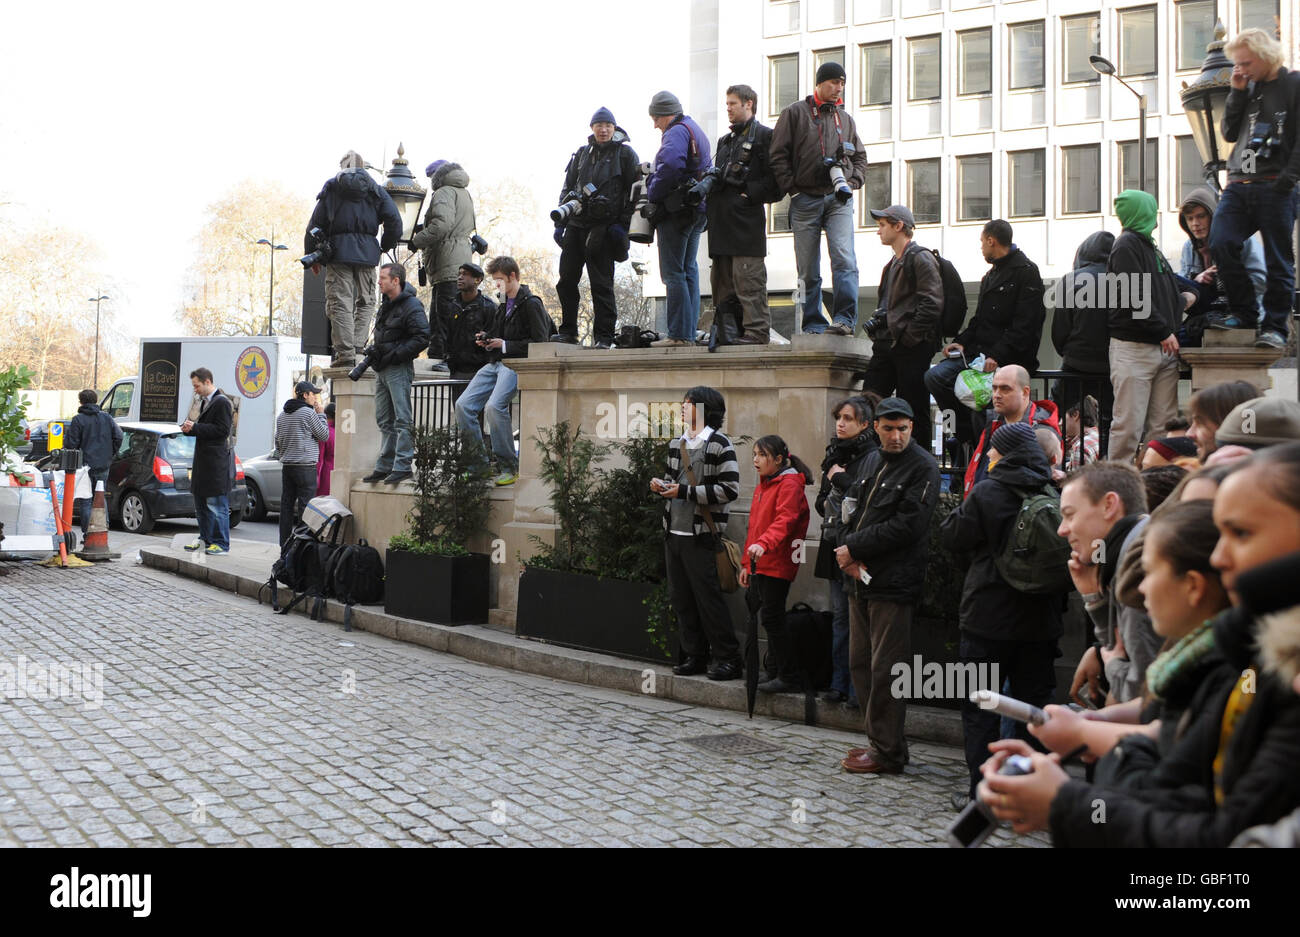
[[1034, 558]]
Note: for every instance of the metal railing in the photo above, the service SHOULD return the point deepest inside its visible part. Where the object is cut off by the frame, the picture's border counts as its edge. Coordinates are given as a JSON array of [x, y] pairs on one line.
[[433, 404]]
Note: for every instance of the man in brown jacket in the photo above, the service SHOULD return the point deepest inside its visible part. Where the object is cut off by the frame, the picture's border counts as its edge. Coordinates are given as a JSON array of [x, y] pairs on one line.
[[905, 329], [817, 158]]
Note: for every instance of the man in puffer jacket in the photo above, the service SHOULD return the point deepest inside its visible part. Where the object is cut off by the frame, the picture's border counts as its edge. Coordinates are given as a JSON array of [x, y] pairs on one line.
[[349, 210], [401, 333], [444, 239], [1079, 330]]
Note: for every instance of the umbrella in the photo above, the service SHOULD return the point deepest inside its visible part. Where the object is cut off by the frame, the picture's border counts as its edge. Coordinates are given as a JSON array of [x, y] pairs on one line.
[[751, 648]]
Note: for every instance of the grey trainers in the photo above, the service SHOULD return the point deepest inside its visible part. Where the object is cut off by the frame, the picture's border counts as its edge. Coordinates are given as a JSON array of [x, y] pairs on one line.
[[1270, 339]]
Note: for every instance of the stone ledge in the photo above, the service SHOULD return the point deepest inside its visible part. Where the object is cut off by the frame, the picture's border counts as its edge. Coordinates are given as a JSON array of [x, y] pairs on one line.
[[486, 645]]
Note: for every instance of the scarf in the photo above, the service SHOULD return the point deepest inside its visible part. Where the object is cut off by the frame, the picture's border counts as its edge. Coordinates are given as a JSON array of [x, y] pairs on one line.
[[1182, 661]]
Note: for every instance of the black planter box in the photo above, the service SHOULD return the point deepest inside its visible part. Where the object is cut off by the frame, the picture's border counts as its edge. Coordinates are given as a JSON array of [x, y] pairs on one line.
[[590, 614], [445, 590]]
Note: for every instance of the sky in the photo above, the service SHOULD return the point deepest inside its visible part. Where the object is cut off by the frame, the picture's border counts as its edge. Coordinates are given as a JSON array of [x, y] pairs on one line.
[[125, 120]]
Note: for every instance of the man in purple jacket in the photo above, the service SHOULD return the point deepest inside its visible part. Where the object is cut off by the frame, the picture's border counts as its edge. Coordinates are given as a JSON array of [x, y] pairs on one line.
[[681, 161]]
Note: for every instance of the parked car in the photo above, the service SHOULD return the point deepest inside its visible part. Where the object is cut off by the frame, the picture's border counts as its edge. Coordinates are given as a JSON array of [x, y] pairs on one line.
[[262, 474], [149, 478]]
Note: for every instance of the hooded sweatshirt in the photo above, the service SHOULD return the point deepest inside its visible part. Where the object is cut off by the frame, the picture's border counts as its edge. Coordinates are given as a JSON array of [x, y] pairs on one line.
[[1142, 296], [1196, 254], [349, 209], [298, 430], [1079, 329], [448, 224]]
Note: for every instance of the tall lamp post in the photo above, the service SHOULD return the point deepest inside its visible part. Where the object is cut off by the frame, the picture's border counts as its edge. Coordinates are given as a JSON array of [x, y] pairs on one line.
[[270, 303], [1204, 101], [406, 192], [97, 300], [1104, 66]]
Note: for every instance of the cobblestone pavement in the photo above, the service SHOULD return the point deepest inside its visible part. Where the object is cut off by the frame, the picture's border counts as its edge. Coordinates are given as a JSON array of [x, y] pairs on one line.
[[223, 724]]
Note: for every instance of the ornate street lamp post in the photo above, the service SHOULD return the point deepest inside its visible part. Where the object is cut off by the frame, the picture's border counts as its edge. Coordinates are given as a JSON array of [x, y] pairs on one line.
[[1204, 101], [406, 192]]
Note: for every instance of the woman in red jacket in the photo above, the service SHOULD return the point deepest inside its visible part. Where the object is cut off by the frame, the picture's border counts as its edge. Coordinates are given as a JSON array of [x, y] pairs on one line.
[[777, 517]]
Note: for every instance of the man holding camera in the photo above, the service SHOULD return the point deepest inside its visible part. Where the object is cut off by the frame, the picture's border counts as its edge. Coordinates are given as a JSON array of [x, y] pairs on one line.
[[1261, 115], [401, 333], [818, 159], [743, 183], [594, 232], [679, 164], [444, 237], [341, 236], [520, 320], [472, 313]]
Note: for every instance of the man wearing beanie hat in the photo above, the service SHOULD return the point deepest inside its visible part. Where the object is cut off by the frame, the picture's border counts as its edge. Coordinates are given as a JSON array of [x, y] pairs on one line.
[[443, 238], [595, 236], [738, 224], [349, 210], [683, 157], [1264, 421], [808, 134], [1168, 451], [1009, 635]]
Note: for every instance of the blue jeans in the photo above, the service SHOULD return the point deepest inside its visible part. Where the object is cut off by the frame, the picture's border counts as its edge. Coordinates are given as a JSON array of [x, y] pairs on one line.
[[679, 243], [1245, 208], [840, 679], [809, 216], [213, 515], [493, 385], [393, 414]]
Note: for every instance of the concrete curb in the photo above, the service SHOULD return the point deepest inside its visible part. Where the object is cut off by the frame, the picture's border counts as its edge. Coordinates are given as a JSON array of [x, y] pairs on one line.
[[498, 649]]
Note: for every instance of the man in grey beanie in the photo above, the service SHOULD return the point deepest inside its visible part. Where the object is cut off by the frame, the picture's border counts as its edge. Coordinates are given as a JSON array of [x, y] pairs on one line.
[[682, 159]]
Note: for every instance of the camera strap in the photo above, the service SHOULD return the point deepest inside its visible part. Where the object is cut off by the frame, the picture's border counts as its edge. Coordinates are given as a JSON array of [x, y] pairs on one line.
[[839, 131]]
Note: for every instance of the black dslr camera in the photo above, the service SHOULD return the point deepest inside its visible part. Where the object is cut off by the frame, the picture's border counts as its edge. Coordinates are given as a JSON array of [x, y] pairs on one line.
[[573, 205], [877, 327], [367, 360], [1264, 141], [478, 244], [843, 191], [322, 250]]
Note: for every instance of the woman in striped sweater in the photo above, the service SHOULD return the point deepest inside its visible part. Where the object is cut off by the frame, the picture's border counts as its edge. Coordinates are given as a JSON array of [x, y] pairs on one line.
[[707, 479]]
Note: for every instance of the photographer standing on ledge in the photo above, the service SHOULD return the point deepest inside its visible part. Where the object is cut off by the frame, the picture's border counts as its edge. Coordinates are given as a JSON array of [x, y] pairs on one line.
[[444, 238], [738, 223], [1261, 114], [401, 333], [596, 235], [679, 164], [349, 210]]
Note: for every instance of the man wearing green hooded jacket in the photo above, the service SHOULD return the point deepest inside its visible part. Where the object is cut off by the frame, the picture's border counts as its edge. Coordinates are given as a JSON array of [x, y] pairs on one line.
[[1145, 308]]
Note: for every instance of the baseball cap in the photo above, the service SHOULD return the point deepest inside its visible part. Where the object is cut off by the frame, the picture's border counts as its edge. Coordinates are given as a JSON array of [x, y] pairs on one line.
[[305, 387], [895, 213], [894, 406]]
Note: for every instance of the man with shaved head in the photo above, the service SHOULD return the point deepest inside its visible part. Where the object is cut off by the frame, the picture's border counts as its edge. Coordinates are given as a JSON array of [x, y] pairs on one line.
[[1012, 404]]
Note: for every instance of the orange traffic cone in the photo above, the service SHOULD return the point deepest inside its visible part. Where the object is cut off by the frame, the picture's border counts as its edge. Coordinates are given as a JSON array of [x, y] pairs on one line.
[[95, 546]]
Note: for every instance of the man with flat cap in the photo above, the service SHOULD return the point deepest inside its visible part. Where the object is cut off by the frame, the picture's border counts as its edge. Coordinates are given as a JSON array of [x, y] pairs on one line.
[[471, 312]]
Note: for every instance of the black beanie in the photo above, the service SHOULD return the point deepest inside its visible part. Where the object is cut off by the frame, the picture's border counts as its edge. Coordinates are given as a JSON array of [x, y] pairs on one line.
[[828, 71]]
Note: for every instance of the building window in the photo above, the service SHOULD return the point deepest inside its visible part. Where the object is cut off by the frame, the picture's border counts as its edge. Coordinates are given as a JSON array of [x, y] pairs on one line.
[[877, 191], [1082, 38], [1027, 172], [1191, 170], [975, 61], [782, 17], [1261, 14], [823, 14], [923, 191], [1195, 31], [1137, 41], [1129, 163], [821, 56], [1082, 177], [778, 221], [1027, 55], [877, 74], [782, 81], [924, 68], [974, 187]]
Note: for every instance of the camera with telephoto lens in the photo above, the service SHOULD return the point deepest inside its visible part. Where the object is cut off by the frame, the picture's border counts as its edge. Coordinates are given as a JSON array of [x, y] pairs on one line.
[[843, 191], [1264, 139], [322, 250], [877, 326], [573, 205], [367, 360], [976, 821]]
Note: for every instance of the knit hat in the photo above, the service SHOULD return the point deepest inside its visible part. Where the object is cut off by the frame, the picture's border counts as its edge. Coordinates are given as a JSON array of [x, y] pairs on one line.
[[352, 160], [434, 167], [828, 71], [1012, 436], [665, 104], [1173, 447], [1264, 421], [602, 116]]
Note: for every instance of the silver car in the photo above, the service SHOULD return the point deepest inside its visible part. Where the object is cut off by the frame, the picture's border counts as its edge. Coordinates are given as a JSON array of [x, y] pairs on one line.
[[262, 475]]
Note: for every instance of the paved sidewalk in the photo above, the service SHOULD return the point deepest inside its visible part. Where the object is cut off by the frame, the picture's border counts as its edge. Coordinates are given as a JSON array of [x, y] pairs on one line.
[[223, 724]]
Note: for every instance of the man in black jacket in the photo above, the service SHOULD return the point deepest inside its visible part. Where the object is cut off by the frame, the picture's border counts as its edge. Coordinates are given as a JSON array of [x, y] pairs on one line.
[[1261, 116], [98, 437], [738, 224], [471, 312], [1080, 332], [349, 210], [521, 320], [401, 333], [883, 552], [212, 471], [1006, 327], [1007, 634], [597, 235]]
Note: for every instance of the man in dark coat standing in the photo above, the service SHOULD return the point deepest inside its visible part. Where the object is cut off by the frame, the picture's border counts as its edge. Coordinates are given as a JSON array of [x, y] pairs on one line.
[[738, 224], [98, 437], [1080, 332], [212, 471]]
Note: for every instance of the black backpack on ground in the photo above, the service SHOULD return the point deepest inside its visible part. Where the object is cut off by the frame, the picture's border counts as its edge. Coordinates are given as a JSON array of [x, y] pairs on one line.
[[302, 568], [354, 575], [810, 639]]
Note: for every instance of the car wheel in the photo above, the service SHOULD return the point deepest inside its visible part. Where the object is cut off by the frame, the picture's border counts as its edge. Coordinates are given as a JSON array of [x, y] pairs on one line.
[[256, 505], [134, 514], [235, 518]]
